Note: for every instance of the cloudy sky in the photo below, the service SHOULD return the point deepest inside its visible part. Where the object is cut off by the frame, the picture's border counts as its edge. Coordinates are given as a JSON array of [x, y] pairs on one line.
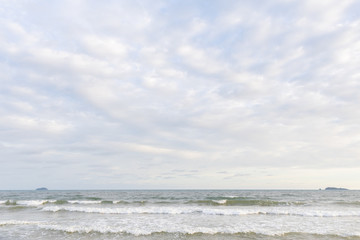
[[179, 94]]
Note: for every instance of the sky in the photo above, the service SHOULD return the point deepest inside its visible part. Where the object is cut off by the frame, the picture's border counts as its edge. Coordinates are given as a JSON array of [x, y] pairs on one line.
[[152, 94]]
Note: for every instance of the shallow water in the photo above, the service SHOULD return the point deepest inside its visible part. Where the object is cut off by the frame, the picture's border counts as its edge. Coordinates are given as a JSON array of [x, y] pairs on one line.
[[188, 214]]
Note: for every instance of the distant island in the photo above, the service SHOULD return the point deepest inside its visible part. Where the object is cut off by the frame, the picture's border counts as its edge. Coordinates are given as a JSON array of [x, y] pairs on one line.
[[335, 188], [42, 189]]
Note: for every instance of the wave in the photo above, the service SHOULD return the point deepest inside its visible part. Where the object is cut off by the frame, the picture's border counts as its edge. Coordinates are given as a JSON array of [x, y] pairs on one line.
[[206, 232], [34, 203], [94, 198], [60, 202], [29, 203], [172, 231], [9, 203], [205, 211], [353, 203], [243, 202], [84, 201], [221, 201], [37, 203], [137, 231], [17, 222], [132, 210]]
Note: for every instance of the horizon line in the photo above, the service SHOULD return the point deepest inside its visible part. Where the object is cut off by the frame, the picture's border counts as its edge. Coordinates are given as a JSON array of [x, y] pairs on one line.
[[181, 189]]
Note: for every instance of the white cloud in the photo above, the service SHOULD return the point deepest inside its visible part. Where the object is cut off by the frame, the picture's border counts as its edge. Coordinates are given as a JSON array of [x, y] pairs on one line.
[[202, 60], [146, 87], [35, 125], [105, 47]]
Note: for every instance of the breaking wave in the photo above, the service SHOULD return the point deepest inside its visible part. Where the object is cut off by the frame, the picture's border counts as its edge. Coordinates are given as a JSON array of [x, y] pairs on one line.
[[246, 233], [17, 222], [234, 201], [243, 202], [205, 211]]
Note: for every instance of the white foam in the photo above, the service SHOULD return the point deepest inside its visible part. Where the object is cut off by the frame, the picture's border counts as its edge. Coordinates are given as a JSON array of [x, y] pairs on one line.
[[231, 196], [220, 201], [83, 229], [137, 231], [206, 211], [17, 222], [140, 230], [153, 210], [131, 210], [84, 202], [184, 229], [31, 203]]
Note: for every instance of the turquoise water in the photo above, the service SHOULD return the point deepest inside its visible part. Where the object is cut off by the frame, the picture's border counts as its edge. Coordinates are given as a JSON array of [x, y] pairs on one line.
[[180, 214]]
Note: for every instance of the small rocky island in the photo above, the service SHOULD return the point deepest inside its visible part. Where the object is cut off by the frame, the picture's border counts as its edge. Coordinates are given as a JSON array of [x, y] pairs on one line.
[[41, 189], [335, 188]]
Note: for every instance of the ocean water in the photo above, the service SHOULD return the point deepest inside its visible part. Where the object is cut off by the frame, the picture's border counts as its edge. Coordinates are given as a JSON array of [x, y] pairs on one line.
[[180, 214]]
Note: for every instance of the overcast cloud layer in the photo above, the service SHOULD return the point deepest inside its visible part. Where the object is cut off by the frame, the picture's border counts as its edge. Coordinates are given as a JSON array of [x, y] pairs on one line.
[[179, 94]]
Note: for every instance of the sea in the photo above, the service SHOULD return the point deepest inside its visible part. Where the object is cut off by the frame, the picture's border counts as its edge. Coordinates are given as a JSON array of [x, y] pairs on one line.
[[179, 214]]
